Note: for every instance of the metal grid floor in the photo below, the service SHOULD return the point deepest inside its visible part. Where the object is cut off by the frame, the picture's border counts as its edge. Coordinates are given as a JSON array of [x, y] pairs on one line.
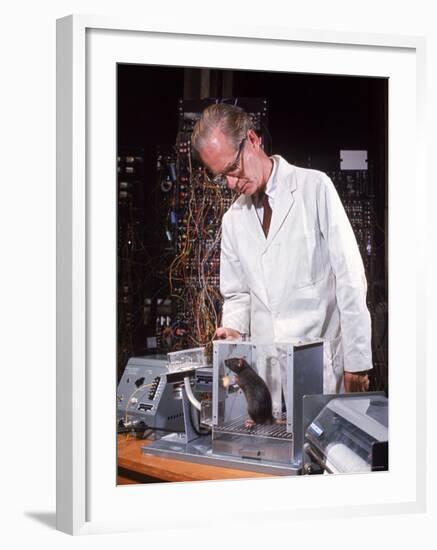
[[237, 426]]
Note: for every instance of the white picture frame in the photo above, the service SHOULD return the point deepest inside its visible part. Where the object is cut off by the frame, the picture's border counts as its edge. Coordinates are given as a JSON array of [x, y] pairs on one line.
[[86, 45]]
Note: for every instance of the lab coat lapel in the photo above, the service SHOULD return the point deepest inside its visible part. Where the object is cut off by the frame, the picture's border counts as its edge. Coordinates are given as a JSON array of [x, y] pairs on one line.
[[284, 199], [253, 222]]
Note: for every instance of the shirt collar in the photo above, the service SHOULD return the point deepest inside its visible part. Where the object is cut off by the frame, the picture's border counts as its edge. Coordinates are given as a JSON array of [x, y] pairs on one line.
[[271, 184], [272, 181]]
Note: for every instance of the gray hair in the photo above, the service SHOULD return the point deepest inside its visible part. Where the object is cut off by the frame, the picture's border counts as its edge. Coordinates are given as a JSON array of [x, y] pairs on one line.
[[233, 121]]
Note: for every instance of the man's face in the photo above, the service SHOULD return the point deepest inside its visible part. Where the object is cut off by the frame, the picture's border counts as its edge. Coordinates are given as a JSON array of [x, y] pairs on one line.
[[242, 167]]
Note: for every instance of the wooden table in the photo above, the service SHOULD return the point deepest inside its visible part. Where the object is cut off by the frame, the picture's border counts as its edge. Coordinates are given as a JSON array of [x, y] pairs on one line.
[[136, 467]]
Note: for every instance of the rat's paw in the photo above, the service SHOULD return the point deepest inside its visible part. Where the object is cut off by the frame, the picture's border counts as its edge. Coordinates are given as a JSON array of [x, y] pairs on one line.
[[249, 424]]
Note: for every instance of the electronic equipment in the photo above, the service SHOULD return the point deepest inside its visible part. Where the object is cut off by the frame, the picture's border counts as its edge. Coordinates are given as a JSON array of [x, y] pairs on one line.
[[131, 256], [149, 394], [346, 434], [275, 448], [280, 442]]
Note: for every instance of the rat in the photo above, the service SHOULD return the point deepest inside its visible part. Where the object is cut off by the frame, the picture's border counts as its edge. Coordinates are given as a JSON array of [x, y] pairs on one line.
[[256, 392]]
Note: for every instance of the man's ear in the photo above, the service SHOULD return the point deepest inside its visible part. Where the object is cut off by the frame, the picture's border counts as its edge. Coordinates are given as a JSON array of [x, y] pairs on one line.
[[253, 139]]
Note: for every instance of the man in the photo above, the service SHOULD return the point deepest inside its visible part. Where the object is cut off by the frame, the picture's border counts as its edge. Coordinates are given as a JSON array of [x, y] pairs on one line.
[[290, 265]]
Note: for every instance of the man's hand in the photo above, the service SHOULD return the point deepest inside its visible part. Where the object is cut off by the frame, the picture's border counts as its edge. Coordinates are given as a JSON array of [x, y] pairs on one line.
[[223, 333], [356, 381]]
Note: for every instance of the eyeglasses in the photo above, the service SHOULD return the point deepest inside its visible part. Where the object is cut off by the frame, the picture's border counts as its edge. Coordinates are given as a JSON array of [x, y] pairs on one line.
[[220, 179]]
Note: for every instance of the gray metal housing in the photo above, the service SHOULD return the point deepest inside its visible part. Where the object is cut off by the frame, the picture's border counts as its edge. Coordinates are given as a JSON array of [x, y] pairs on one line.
[[144, 395], [304, 368]]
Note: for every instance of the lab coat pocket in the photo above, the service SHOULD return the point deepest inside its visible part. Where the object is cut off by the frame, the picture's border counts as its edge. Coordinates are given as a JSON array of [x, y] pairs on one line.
[[308, 268]]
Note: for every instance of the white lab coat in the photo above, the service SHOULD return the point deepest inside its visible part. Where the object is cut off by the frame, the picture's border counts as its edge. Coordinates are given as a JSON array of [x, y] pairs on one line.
[[305, 280]]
